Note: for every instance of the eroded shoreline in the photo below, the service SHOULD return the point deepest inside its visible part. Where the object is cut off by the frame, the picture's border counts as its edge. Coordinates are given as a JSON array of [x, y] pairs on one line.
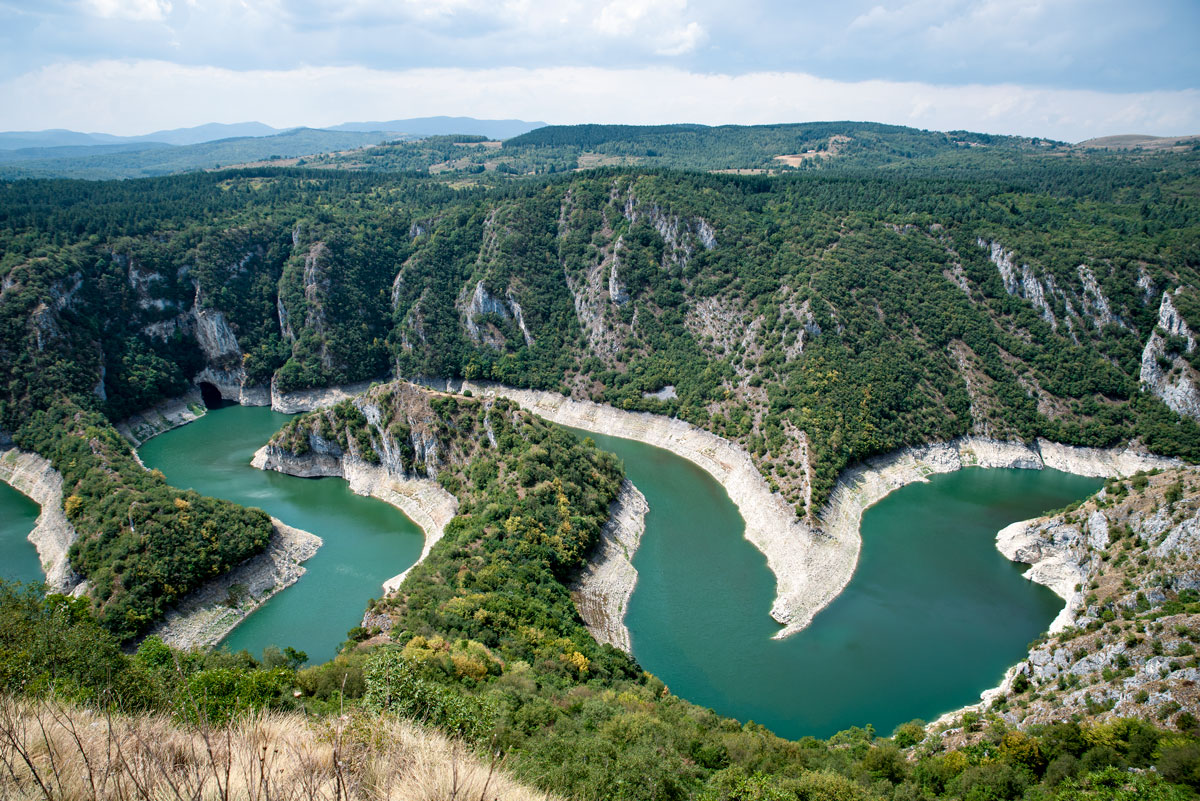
[[207, 615], [421, 500], [52, 535], [812, 564]]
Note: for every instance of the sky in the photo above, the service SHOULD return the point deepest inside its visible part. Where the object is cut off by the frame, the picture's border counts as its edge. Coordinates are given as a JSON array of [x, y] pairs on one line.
[[1062, 69]]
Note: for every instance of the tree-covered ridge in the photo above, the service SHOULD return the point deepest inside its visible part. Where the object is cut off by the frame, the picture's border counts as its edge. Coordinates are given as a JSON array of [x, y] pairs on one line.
[[532, 501], [142, 544], [754, 148]]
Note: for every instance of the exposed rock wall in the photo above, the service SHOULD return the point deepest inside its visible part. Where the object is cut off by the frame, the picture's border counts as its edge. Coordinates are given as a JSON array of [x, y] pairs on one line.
[[162, 417], [423, 501], [1175, 384], [207, 615], [52, 534], [602, 590], [307, 400]]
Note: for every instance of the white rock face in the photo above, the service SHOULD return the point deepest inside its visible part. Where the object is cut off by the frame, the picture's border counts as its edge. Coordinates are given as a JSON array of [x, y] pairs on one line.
[[1025, 285], [483, 302], [216, 338], [602, 590], [1177, 384], [422, 500], [52, 534], [307, 400]]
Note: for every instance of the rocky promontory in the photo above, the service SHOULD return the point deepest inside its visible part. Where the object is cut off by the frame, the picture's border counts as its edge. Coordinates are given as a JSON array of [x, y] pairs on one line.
[[1127, 563]]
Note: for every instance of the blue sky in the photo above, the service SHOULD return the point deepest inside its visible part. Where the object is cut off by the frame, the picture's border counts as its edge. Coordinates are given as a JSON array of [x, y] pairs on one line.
[[1067, 69]]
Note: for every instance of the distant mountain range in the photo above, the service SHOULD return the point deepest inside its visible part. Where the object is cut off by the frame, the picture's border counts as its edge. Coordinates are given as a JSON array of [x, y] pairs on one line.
[[97, 156], [213, 131]]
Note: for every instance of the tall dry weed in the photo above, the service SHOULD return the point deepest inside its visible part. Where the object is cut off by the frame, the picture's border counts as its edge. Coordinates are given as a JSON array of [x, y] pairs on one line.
[[54, 751]]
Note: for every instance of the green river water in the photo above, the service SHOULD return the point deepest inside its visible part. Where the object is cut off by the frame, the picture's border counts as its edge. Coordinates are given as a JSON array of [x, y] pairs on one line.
[[366, 540], [18, 557], [933, 615]]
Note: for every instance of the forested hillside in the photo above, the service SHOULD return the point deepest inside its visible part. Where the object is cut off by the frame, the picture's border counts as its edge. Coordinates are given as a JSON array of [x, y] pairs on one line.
[[755, 149], [814, 318]]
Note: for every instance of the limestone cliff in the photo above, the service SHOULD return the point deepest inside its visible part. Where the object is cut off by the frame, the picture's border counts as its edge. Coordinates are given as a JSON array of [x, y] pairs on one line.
[[1166, 373]]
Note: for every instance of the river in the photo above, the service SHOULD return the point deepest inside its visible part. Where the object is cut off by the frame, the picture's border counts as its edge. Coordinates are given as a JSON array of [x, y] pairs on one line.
[[18, 557], [933, 615], [366, 541]]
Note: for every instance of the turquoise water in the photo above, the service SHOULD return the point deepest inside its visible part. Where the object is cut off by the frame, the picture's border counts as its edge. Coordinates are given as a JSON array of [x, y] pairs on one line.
[[366, 541], [18, 557], [933, 615]]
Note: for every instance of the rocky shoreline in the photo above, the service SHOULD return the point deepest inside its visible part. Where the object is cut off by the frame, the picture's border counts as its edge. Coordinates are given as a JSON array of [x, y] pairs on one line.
[[422, 500], [52, 534], [812, 564], [602, 590], [207, 615], [161, 417], [1100, 658]]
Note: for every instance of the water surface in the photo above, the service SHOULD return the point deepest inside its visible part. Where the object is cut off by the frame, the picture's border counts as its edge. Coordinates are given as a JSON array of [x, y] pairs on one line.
[[366, 540], [18, 557], [933, 615]]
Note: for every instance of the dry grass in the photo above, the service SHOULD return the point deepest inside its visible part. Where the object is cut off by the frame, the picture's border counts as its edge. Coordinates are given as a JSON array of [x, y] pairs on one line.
[[50, 750]]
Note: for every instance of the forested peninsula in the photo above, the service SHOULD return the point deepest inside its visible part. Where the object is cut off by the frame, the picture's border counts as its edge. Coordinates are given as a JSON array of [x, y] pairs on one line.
[[868, 289]]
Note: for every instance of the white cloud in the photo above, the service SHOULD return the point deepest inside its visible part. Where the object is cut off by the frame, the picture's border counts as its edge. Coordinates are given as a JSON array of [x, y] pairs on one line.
[[138, 10], [681, 40], [132, 97]]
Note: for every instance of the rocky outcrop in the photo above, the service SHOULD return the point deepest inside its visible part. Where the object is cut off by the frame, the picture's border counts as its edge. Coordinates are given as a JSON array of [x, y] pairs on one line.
[[602, 590], [207, 615], [1021, 282], [307, 400], [1124, 643], [231, 384], [482, 302], [1043, 291], [1176, 382], [53, 534], [162, 416], [216, 339], [422, 500]]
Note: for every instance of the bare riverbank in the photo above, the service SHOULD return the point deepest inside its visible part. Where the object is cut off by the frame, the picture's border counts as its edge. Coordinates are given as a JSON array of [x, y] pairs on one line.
[[812, 564], [52, 534], [207, 615]]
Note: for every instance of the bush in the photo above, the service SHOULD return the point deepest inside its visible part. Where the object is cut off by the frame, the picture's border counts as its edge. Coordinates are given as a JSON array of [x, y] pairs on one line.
[[395, 684]]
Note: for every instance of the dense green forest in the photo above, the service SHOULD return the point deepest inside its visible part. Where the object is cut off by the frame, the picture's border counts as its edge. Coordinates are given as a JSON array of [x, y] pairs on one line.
[[970, 284]]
